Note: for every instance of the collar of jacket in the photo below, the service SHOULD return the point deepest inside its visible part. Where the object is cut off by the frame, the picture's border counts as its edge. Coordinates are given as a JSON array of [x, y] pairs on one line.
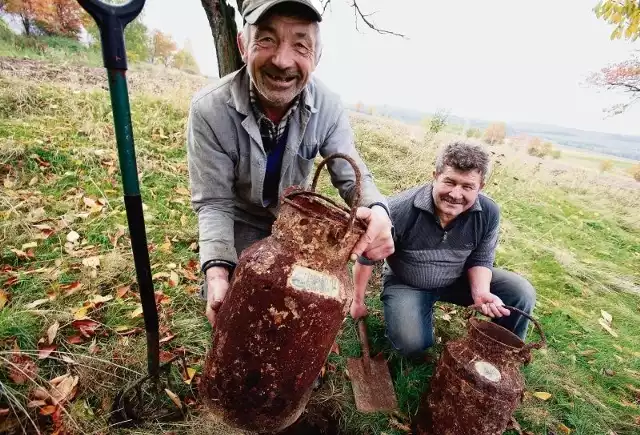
[[240, 94]]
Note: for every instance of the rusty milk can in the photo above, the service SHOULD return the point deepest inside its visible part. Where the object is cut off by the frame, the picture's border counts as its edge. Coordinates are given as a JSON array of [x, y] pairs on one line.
[[477, 385], [286, 303]]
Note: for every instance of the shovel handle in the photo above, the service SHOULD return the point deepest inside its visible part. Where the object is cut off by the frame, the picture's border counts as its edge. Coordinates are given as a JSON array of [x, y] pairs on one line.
[[364, 344], [111, 21]]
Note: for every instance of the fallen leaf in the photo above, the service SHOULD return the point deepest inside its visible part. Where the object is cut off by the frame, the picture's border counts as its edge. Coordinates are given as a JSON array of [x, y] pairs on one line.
[[607, 328], [542, 395], [122, 292], [166, 356], [93, 262], [167, 339], [75, 339], [93, 348], [29, 245], [66, 359], [633, 389], [400, 426], [70, 289], [160, 275], [174, 279], [161, 298], [127, 330], [189, 275], [73, 237], [116, 237], [335, 348], [81, 313], [45, 351], [446, 317], [182, 191], [22, 254], [52, 332], [97, 299], [137, 312], [588, 352], [188, 377], [564, 429], [40, 393], [36, 303], [11, 281], [36, 404], [48, 410], [33, 181], [22, 368], [174, 397], [166, 247], [609, 372], [606, 316], [64, 390], [86, 327], [4, 298]]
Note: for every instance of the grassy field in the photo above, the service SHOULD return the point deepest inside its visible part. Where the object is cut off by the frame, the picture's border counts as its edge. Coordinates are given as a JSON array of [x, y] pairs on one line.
[[68, 302]]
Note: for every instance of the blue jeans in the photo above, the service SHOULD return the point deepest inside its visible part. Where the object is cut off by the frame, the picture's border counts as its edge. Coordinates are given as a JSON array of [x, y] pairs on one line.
[[408, 311]]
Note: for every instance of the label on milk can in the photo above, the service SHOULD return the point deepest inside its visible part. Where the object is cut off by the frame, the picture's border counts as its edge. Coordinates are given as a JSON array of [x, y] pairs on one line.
[[303, 278]]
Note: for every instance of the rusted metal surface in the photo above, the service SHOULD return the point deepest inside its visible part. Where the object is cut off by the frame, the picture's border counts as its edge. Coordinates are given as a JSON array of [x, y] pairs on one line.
[[478, 384], [287, 300], [370, 379]]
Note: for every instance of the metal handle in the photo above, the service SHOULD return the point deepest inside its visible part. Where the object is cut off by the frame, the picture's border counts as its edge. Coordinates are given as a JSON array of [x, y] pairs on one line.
[[111, 21], [535, 345], [356, 198], [364, 344]]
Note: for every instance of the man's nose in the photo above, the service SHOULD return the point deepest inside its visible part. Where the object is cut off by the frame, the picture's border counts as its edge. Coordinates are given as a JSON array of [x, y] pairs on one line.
[[283, 58], [456, 192]]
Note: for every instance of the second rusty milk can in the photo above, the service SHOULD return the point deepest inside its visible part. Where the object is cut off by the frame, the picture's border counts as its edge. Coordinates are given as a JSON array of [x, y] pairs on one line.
[[286, 303], [477, 385]]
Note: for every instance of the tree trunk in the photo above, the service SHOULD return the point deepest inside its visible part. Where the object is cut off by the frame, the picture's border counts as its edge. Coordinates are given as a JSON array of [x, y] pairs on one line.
[[221, 18], [26, 23]]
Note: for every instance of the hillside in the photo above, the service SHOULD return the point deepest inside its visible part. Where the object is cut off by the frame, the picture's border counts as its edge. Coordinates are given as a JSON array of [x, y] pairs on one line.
[[626, 146], [65, 256]]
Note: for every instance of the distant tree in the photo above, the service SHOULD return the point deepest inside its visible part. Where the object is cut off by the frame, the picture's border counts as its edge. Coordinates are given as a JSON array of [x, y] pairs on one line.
[[136, 36], [606, 165], [438, 122], [495, 133], [26, 11], [538, 148], [185, 61], [634, 171], [624, 15], [625, 77], [556, 154], [473, 132], [162, 47], [59, 17], [359, 106]]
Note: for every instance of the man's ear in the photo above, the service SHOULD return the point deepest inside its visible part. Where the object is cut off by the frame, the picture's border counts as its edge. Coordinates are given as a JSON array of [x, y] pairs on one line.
[[435, 175], [242, 46]]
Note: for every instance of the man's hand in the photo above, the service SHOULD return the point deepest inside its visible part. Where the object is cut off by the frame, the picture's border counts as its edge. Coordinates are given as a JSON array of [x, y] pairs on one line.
[[377, 242], [489, 304], [217, 285], [358, 310]]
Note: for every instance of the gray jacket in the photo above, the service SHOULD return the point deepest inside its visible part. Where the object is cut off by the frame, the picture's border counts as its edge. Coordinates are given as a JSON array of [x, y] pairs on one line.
[[227, 162]]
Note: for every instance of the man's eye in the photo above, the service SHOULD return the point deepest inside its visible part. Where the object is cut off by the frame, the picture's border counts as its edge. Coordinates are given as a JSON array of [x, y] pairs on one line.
[[301, 47], [266, 40]]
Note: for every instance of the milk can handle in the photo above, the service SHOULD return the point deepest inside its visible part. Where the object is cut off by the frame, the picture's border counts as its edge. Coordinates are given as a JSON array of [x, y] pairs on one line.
[[535, 345], [358, 193]]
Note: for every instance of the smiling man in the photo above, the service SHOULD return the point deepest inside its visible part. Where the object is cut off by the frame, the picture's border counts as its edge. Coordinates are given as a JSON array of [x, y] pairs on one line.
[[446, 233], [257, 132]]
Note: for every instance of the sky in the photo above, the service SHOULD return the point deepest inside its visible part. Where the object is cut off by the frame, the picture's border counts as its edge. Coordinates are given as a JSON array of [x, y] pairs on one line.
[[496, 60]]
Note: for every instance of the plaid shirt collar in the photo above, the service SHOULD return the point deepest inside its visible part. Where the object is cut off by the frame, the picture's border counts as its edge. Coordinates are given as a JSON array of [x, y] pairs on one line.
[[268, 129]]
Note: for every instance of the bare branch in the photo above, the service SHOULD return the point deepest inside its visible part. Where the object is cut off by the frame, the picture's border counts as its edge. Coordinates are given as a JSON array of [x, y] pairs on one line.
[[358, 12], [324, 6]]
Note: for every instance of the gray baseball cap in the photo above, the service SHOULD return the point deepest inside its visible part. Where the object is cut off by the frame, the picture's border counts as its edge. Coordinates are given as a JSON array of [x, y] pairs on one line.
[[252, 10]]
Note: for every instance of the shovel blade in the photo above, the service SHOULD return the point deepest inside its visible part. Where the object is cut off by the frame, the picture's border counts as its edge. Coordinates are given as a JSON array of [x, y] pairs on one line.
[[373, 391]]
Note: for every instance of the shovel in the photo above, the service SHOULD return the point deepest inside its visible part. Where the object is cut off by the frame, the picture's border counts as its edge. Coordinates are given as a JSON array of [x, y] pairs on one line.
[[134, 404], [370, 379]]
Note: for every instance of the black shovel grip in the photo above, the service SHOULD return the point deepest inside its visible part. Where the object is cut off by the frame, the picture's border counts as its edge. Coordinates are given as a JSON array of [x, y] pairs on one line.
[[111, 21]]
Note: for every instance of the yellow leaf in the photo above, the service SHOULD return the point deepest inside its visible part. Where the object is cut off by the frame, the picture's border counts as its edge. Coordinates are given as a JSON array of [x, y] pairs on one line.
[[81, 313], [183, 191], [542, 395], [174, 279], [29, 245], [97, 299], [564, 429], [174, 397], [166, 247], [191, 372], [4, 298], [607, 328], [136, 313]]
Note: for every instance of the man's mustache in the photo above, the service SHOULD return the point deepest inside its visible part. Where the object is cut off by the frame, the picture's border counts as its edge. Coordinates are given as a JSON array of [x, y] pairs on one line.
[[289, 73], [451, 200]]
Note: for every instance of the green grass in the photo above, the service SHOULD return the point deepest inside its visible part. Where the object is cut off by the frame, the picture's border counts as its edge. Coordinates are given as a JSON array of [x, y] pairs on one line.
[[578, 241]]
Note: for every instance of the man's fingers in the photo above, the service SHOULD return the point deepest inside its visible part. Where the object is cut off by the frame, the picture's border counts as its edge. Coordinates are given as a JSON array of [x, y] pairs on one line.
[[211, 316], [504, 311], [363, 243], [379, 253], [494, 310]]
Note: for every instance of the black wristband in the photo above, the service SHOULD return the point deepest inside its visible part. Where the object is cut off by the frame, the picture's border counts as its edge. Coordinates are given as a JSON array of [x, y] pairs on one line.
[[219, 263], [383, 206]]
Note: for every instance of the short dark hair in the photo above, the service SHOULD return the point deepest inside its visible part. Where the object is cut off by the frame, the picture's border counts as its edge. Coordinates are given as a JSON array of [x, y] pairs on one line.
[[464, 157]]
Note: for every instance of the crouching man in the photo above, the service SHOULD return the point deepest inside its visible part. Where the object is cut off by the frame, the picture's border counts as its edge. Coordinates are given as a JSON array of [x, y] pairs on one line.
[[446, 234]]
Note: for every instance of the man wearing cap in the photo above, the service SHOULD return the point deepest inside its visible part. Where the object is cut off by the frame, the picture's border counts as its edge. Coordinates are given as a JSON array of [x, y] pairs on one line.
[[257, 132]]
